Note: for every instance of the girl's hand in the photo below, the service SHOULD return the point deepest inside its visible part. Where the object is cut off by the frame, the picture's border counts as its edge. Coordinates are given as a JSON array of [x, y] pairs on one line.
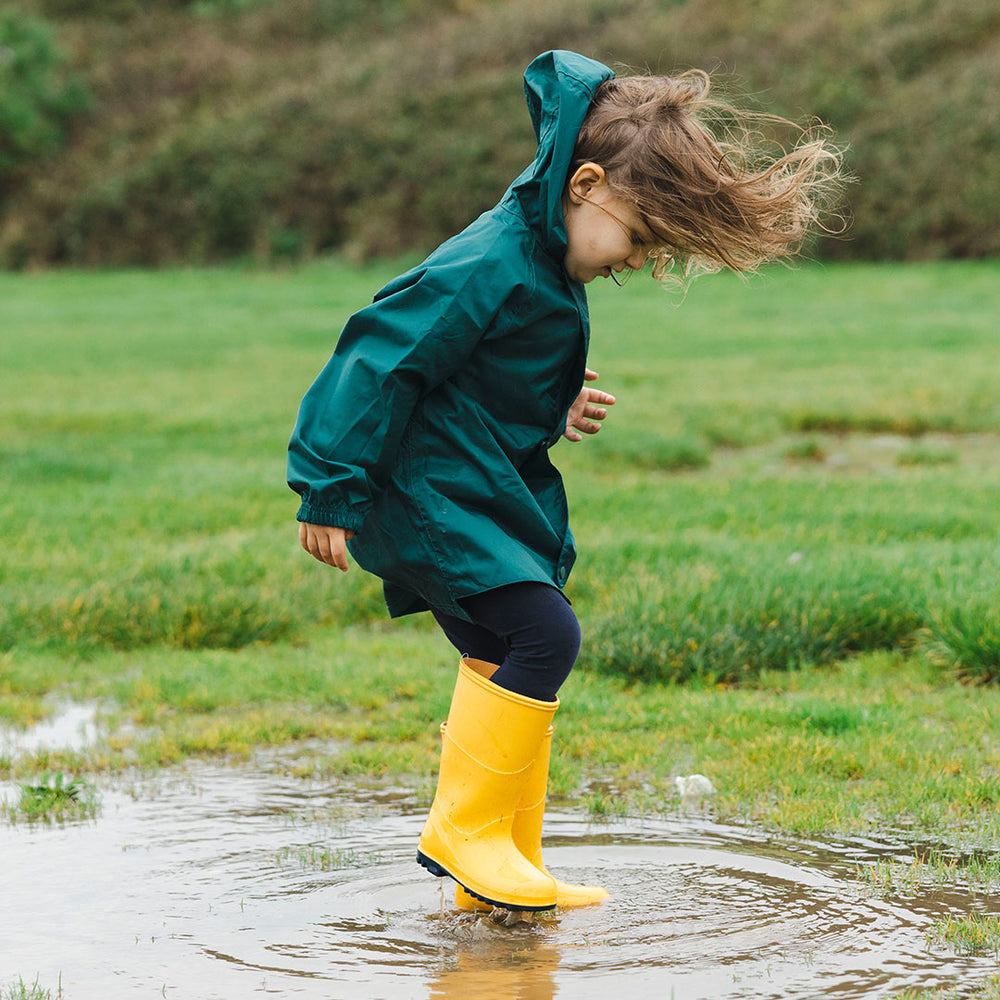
[[328, 545], [590, 405]]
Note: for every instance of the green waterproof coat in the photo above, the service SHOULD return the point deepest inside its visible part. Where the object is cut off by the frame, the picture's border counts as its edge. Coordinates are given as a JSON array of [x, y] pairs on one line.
[[428, 431]]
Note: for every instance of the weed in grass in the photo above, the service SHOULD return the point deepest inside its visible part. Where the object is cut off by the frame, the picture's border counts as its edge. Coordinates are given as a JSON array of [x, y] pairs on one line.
[[646, 450], [970, 934], [932, 869], [927, 455], [831, 720], [54, 798], [965, 637], [805, 450], [833, 422], [601, 804], [891, 877], [989, 989], [981, 871], [158, 611], [326, 859], [22, 991]]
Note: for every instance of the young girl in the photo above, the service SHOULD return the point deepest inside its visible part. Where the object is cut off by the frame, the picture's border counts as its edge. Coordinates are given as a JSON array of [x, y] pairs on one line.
[[422, 447]]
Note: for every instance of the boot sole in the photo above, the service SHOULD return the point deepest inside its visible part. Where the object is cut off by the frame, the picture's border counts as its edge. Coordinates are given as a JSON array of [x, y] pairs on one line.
[[439, 872]]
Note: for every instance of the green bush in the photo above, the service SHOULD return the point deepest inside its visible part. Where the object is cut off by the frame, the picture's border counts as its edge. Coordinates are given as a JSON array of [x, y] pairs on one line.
[[37, 99], [385, 127]]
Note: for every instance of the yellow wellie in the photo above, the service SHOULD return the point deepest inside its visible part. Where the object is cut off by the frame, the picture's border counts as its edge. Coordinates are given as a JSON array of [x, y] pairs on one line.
[[526, 830], [527, 836], [490, 744]]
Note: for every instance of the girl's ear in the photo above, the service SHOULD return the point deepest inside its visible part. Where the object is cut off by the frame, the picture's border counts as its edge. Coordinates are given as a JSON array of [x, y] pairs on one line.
[[585, 178]]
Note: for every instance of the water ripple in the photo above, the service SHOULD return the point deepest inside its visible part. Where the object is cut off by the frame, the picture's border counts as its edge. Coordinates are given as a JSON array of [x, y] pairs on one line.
[[224, 882]]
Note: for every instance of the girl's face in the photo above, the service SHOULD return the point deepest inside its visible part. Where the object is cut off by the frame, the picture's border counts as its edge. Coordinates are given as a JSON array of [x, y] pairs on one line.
[[605, 235]]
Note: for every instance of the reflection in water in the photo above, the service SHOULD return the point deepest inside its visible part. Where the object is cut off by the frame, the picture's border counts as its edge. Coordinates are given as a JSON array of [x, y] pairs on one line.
[[508, 967], [221, 882]]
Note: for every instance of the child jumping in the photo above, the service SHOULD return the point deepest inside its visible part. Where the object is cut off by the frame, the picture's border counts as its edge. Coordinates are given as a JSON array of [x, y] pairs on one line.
[[423, 445]]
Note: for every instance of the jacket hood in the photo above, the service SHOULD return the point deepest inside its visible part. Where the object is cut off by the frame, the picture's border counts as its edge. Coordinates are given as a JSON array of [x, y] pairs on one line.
[[559, 87]]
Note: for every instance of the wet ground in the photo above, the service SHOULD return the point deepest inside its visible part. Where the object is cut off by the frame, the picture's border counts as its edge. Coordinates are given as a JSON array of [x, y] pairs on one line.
[[234, 881]]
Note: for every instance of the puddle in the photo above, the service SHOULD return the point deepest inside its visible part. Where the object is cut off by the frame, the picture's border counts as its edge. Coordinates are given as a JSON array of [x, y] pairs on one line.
[[227, 882], [72, 726]]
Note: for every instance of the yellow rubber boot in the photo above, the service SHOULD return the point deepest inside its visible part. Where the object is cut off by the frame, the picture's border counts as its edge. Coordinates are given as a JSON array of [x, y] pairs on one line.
[[527, 835], [490, 744], [526, 830]]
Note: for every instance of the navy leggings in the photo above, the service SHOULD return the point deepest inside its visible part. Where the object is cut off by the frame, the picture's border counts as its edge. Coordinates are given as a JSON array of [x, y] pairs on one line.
[[529, 629]]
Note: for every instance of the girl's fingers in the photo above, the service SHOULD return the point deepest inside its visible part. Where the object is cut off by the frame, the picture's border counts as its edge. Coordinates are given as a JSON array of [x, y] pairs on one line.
[[308, 541]]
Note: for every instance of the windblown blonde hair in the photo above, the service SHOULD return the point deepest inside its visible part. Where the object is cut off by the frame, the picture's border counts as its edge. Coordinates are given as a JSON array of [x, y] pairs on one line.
[[704, 176]]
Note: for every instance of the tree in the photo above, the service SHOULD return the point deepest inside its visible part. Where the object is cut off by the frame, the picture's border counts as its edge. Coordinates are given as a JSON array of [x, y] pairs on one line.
[[37, 96]]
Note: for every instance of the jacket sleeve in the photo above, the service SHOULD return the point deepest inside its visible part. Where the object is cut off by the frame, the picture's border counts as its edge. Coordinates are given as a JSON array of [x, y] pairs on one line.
[[418, 331]]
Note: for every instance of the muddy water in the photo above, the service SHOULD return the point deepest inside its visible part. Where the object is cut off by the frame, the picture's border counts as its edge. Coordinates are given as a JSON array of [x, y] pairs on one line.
[[229, 882]]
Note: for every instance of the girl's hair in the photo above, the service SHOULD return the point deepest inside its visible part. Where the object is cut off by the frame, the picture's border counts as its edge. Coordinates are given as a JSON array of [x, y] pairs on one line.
[[713, 189]]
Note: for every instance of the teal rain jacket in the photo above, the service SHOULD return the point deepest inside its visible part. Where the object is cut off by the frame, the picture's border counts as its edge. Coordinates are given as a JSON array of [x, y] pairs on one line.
[[428, 431]]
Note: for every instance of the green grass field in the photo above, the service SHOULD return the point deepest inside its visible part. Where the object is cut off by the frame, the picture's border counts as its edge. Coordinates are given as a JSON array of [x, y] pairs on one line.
[[788, 535]]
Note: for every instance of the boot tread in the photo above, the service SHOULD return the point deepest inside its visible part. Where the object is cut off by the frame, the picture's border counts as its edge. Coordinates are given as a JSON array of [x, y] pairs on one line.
[[437, 870]]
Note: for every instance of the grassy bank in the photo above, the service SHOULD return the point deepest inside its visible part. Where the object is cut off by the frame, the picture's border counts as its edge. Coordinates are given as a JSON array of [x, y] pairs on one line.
[[792, 509], [796, 471], [286, 128]]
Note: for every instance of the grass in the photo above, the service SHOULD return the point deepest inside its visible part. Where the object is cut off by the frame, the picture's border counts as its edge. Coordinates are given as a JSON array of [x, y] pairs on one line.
[[933, 869], [742, 518], [22, 991], [54, 797], [990, 990], [147, 509], [151, 540], [769, 595], [971, 934], [325, 859]]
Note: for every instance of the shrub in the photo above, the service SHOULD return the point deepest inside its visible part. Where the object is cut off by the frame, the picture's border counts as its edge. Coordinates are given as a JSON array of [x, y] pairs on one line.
[[392, 124], [38, 100]]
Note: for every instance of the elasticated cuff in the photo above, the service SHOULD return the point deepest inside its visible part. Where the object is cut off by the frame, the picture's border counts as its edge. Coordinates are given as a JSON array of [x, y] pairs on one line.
[[332, 517]]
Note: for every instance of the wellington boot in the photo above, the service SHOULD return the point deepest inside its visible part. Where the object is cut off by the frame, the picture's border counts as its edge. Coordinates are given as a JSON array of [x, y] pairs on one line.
[[490, 744], [527, 835], [526, 830]]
